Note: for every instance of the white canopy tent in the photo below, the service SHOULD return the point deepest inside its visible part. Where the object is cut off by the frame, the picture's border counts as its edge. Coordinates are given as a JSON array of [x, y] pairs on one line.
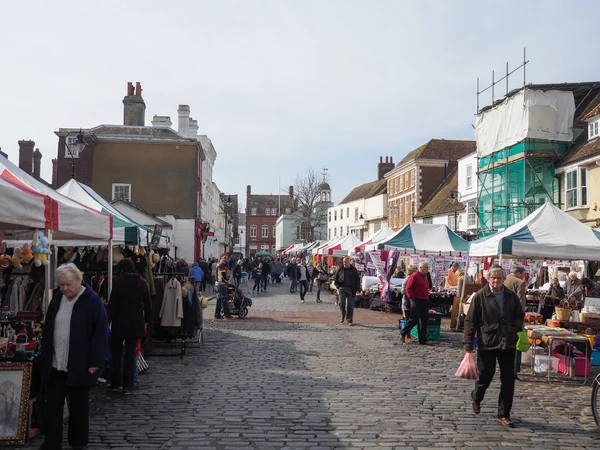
[[319, 250], [27, 204], [342, 247], [371, 243], [548, 232]]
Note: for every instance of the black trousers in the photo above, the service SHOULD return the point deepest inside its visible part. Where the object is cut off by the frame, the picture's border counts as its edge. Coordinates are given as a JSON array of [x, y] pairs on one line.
[[122, 363], [419, 315], [486, 366], [79, 412]]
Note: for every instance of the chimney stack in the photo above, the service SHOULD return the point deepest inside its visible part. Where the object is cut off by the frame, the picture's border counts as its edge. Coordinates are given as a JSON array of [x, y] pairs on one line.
[[26, 156], [37, 161], [292, 191], [161, 122], [384, 167], [193, 128], [134, 108], [248, 190], [183, 120], [55, 173]]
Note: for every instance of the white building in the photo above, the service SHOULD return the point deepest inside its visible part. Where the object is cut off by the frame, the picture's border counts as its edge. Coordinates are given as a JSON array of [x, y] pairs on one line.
[[239, 243], [286, 231], [214, 246], [363, 212], [454, 203]]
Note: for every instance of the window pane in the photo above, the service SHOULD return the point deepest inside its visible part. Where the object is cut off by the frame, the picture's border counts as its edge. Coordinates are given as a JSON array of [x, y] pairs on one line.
[[583, 177]]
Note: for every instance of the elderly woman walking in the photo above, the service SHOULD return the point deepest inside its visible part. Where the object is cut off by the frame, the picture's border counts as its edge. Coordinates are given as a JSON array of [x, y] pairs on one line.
[[129, 313], [73, 353]]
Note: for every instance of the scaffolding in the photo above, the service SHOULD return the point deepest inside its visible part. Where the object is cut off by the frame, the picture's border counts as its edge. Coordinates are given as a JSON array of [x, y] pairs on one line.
[[515, 181]]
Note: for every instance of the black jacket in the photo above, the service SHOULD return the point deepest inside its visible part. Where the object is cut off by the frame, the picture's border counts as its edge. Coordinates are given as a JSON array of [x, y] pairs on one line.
[[291, 271], [88, 342], [339, 278], [129, 306], [496, 330]]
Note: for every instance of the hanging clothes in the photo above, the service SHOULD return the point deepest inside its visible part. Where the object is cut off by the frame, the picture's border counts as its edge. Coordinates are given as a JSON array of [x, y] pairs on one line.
[[17, 296], [149, 277], [36, 299], [171, 311]]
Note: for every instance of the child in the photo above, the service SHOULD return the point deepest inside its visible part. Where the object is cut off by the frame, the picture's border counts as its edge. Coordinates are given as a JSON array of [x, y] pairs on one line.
[[257, 275]]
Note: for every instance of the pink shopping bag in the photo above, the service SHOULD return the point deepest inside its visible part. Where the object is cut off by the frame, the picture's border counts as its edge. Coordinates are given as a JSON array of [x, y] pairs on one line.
[[468, 368]]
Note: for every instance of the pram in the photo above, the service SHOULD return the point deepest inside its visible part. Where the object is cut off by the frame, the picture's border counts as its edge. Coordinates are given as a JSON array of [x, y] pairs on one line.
[[238, 302]]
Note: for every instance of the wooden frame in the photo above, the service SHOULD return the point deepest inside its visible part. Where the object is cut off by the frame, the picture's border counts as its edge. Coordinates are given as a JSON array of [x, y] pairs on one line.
[[15, 385]]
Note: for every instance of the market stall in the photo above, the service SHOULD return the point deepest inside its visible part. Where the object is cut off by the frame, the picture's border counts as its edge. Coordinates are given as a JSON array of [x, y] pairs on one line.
[[342, 247], [437, 245], [371, 243], [26, 207], [548, 233]]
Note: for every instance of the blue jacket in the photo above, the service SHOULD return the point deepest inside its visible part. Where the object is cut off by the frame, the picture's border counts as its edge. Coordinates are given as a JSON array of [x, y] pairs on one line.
[[196, 273], [88, 340]]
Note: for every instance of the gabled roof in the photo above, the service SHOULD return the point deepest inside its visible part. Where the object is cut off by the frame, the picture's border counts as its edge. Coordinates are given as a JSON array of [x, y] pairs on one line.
[[582, 147], [366, 190], [442, 149], [440, 199]]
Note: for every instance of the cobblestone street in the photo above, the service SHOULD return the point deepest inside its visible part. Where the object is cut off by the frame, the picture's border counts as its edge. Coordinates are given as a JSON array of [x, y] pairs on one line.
[[291, 376]]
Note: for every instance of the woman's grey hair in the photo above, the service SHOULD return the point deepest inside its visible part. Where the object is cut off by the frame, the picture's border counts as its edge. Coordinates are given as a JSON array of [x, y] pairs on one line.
[[412, 268], [573, 274], [69, 271]]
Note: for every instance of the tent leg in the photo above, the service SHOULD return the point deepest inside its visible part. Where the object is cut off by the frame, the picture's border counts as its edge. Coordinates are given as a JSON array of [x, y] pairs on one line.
[[48, 270], [462, 294], [110, 266]]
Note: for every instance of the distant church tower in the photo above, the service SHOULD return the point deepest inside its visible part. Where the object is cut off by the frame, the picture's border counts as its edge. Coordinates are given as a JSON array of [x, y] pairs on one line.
[[321, 207]]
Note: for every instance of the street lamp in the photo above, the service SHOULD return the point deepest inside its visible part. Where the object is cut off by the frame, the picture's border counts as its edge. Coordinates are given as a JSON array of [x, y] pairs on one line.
[[78, 146], [362, 230], [227, 202], [455, 198]]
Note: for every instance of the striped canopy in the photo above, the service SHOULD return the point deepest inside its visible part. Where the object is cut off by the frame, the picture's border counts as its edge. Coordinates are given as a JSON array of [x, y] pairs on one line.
[[28, 204], [369, 244], [428, 238], [342, 247], [548, 232]]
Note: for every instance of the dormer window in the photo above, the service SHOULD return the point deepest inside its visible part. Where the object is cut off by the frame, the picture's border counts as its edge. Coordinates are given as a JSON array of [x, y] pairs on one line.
[[593, 127]]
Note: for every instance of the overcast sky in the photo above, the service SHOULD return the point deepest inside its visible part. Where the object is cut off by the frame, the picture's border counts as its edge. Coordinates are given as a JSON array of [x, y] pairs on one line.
[[281, 86]]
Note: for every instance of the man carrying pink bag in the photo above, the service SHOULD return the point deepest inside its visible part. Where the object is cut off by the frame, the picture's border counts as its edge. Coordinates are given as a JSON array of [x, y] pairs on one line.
[[496, 315]]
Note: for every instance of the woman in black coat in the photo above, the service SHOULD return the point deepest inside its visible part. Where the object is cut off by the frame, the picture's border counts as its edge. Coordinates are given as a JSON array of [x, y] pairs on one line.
[[73, 354], [129, 312]]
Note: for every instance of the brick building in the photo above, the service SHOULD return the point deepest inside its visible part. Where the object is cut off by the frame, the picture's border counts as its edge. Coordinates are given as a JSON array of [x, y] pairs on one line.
[[418, 176], [154, 167], [262, 212]]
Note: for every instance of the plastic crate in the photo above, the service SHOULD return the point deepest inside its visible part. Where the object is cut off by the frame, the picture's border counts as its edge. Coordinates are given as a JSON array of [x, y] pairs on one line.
[[434, 333], [595, 357], [434, 319]]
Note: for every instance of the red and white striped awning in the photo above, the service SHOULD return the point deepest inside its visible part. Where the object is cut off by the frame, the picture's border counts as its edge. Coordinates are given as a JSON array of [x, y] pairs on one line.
[[28, 204], [341, 248]]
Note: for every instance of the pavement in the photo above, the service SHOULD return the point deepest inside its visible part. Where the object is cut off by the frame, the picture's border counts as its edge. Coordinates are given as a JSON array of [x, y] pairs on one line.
[[291, 376]]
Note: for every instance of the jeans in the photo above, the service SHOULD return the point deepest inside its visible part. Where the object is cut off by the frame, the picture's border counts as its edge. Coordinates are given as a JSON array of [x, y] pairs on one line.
[[256, 285], [486, 367], [136, 373], [222, 301], [264, 280], [303, 288], [346, 303], [294, 285], [79, 412], [419, 315], [123, 364], [319, 286], [198, 285]]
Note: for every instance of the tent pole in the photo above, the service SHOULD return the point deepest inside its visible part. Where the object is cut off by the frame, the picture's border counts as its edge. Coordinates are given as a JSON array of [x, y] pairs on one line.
[[48, 269], [110, 266], [462, 293]]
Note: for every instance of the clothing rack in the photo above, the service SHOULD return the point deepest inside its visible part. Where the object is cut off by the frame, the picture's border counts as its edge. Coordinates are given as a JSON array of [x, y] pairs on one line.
[[181, 336]]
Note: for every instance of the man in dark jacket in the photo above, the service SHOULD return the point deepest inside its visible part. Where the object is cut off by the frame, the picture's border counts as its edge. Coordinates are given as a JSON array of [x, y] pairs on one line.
[[496, 315], [347, 280], [292, 274], [417, 291]]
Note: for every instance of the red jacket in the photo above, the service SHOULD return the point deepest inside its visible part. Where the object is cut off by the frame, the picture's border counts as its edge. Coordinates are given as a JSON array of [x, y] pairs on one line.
[[417, 286]]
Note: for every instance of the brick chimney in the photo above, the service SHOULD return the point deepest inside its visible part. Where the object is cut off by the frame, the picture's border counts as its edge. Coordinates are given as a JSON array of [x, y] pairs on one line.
[[37, 162], [193, 128], [134, 108], [55, 173], [291, 191], [161, 122], [183, 120], [384, 167], [26, 156], [248, 190]]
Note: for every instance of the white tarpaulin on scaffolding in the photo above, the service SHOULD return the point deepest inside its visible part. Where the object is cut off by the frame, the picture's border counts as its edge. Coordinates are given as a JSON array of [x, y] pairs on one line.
[[530, 113]]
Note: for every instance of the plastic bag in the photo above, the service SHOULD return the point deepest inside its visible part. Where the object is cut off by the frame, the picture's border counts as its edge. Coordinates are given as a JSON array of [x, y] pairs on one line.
[[468, 368], [523, 343], [281, 276]]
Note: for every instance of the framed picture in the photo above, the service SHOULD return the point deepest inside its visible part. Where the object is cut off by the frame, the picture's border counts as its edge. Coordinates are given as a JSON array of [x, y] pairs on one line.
[[15, 383]]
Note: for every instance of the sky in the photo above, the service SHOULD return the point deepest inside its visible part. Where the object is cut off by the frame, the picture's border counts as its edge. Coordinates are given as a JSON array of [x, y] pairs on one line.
[[282, 86]]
